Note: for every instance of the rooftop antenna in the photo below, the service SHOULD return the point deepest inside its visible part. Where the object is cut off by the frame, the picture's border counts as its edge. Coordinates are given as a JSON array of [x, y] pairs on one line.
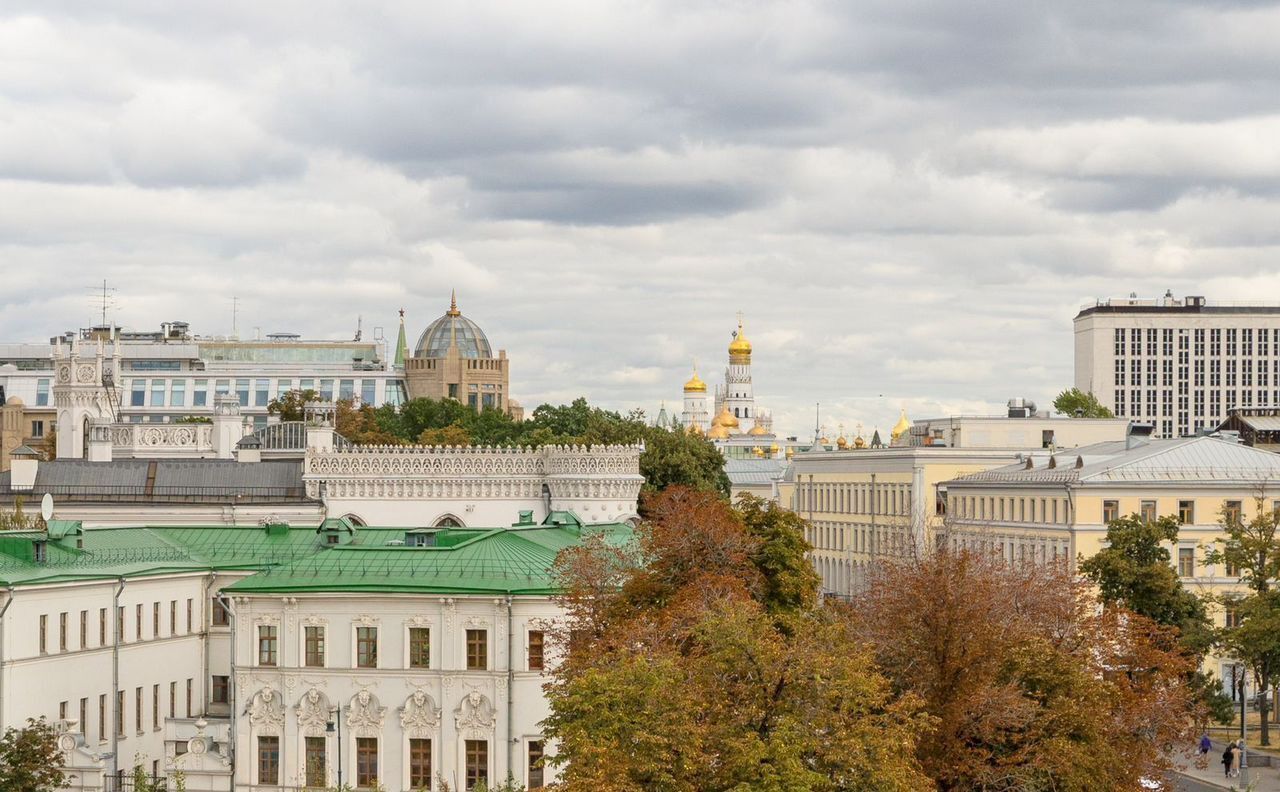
[[104, 298], [817, 425], [235, 315], [359, 326]]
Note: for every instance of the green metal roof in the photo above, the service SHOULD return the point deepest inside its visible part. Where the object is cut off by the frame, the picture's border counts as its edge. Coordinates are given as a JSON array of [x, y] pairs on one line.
[[513, 560]]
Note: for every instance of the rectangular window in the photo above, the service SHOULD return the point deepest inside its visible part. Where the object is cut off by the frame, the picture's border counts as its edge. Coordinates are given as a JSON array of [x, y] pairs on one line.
[[173, 699], [44, 634], [366, 647], [1187, 561], [155, 708], [221, 689], [268, 760], [155, 620], [37, 428], [419, 763], [1149, 511], [346, 389], [137, 621], [220, 617], [62, 631], [42, 393], [190, 685], [283, 387], [313, 647], [477, 763], [138, 393], [535, 765], [222, 387], [419, 647], [477, 650], [326, 390], [157, 392], [84, 717], [536, 642], [1231, 618], [1187, 512], [1110, 510], [316, 762], [268, 641], [137, 709], [84, 634], [120, 713], [200, 394], [102, 718], [62, 710], [190, 609], [178, 393], [366, 761], [1231, 511], [261, 392], [367, 391], [102, 626], [242, 392]]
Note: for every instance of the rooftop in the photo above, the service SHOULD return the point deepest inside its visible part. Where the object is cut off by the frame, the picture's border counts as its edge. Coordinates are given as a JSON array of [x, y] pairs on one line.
[[170, 480], [1170, 304]]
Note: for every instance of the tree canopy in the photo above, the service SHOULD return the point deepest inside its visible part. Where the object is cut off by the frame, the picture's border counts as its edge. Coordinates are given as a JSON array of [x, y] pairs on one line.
[[1079, 404], [30, 759]]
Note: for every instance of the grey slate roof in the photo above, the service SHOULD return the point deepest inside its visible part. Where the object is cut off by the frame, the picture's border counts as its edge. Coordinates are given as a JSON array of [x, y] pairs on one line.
[[174, 479], [753, 472]]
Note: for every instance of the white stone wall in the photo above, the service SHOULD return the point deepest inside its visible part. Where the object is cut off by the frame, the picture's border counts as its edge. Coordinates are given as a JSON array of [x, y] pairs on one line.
[[455, 704]]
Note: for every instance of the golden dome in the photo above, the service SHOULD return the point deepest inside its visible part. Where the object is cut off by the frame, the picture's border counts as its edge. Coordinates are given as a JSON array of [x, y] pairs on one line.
[[791, 451], [774, 448], [695, 384], [718, 432], [858, 442], [740, 347], [726, 419], [900, 428], [695, 430], [841, 442], [758, 451], [758, 430]]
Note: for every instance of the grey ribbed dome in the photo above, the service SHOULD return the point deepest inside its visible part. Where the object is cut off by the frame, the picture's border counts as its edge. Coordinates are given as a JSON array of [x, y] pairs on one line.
[[453, 327]]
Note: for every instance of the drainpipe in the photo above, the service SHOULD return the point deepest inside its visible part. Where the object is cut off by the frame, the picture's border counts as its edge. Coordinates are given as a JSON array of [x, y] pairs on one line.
[[115, 679], [204, 641], [232, 693], [511, 645], [8, 601]]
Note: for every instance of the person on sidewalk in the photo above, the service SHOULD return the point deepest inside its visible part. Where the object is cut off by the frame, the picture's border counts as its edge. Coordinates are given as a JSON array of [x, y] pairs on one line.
[[1229, 759], [1206, 744]]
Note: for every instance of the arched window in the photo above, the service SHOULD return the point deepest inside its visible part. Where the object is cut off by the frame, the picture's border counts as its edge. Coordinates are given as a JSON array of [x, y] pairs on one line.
[[355, 520], [448, 521], [735, 413]]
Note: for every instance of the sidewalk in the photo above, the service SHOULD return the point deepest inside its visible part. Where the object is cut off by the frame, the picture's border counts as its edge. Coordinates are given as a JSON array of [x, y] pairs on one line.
[[1262, 779]]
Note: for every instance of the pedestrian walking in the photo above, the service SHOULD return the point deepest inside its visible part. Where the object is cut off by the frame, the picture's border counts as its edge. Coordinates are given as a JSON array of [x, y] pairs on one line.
[[1229, 759], [1206, 744]]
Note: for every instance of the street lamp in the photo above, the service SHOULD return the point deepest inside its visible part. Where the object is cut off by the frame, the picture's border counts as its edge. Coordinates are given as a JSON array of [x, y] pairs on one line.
[[329, 727]]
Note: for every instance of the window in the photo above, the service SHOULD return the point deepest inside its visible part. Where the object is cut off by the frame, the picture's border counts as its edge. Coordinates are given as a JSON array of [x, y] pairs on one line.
[[261, 392], [268, 760], [42, 392], [1110, 510], [1187, 512], [137, 709], [326, 390], [419, 647], [102, 718], [37, 428], [315, 762], [419, 763], [1187, 561], [84, 717], [283, 387], [138, 393], [477, 651], [120, 713], [367, 391], [220, 616], [190, 609], [268, 642], [1149, 511], [366, 647], [366, 761], [535, 765], [120, 624], [1231, 511], [137, 620], [221, 689], [346, 390], [200, 394], [1231, 617], [44, 630], [155, 620], [173, 699], [178, 393], [62, 631], [313, 647], [477, 753], [62, 710], [536, 641], [221, 387], [155, 707], [102, 626], [157, 392], [189, 686], [242, 392]]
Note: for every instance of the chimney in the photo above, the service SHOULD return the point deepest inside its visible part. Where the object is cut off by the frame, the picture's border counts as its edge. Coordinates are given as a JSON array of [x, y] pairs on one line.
[[100, 440], [319, 420], [249, 449], [24, 462], [1137, 435], [227, 429]]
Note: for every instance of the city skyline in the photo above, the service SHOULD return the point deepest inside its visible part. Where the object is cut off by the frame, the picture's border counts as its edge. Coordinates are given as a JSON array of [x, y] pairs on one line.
[[607, 188]]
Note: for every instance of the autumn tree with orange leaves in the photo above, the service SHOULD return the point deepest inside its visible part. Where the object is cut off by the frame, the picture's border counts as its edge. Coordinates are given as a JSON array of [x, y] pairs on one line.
[[698, 659], [1028, 682]]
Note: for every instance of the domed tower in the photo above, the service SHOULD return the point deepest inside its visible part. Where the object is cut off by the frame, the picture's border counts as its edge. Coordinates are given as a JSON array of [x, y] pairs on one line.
[[695, 413], [736, 396], [454, 360]]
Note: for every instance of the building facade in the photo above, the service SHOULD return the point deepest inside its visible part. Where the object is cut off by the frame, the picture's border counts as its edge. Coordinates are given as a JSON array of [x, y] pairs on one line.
[[1179, 364], [453, 359]]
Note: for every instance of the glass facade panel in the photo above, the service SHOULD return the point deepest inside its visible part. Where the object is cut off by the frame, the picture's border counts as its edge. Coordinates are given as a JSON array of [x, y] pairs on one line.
[[261, 392], [242, 392], [42, 393], [367, 390], [138, 393], [157, 393], [346, 389], [200, 395], [178, 393]]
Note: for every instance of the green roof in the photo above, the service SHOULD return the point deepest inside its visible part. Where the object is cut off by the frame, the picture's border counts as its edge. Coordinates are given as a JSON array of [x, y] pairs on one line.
[[513, 560]]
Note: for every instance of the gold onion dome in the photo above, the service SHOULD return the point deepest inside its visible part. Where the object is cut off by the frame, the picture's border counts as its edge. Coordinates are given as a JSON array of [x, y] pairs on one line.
[[774, 448], [842, 442], [758, 430], [859, 442], [740, 347], [695, 384], [694, 429], [901, 427], [726, 419], [718, 432]]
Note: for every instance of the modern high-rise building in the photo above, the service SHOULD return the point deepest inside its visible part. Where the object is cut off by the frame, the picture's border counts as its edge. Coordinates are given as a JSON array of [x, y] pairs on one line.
[[1179, 364]]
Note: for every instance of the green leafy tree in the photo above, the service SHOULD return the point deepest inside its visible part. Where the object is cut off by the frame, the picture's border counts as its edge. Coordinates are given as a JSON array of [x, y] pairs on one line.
[[678, 458], [1135, 571], [30, 760], [1078, 403], [17, 519], [291, 405], [1252, 550], [790, 581]]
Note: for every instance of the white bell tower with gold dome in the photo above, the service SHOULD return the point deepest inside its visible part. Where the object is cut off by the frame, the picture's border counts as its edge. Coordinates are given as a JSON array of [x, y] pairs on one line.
[[736, 396], [695, 415]]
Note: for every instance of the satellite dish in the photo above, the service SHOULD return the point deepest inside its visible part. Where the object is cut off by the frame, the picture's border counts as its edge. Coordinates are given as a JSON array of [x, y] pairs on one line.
[[46, 507]]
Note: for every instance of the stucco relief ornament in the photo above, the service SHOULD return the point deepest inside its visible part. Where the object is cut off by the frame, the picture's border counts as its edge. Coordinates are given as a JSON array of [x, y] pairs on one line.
[[64, 373], [419, 716], [364, 716], [85, 374], [475, 714], [313, 713], [266, 711]]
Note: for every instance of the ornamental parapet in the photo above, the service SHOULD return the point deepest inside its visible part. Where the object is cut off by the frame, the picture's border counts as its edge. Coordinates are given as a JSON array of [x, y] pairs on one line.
[[430, 461], [158, 440]]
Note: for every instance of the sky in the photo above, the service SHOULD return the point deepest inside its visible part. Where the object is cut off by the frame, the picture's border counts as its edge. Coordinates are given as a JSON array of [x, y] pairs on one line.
[[907, 201]]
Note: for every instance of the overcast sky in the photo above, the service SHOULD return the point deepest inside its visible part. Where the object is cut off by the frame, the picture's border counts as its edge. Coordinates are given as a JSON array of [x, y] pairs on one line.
[[908, 201]]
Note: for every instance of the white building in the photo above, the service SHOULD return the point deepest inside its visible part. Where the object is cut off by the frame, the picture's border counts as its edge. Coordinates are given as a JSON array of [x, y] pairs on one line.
[[1023, 427], [1179, 364]]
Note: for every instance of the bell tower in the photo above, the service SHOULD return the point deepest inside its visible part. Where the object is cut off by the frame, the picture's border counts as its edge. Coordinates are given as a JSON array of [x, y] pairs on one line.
[[737, 396], [83, 392]]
